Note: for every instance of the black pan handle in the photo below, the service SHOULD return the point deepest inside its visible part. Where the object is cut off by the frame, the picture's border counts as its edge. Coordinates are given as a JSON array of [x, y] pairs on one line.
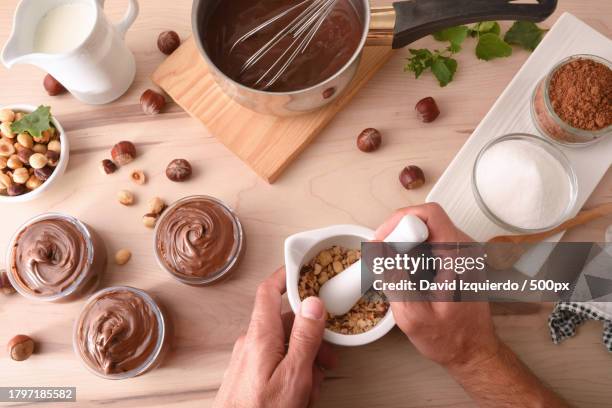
[[416, 19]]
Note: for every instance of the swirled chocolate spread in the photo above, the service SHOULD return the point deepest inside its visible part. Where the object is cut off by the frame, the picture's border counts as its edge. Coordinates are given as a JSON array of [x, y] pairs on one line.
[[118, 332], [48, 256], [196, 238], [332, 46]]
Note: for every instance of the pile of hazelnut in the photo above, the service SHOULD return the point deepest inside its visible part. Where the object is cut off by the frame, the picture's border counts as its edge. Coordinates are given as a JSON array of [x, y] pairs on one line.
[[122, 153], [411, 177], [26, 161]]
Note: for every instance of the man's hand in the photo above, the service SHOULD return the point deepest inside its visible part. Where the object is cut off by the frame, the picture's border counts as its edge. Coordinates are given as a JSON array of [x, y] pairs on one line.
[[451, 334], [461, 336], [263, 372]]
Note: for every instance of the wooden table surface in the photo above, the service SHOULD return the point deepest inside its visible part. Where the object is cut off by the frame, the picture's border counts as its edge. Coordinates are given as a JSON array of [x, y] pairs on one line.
[[332, 182]]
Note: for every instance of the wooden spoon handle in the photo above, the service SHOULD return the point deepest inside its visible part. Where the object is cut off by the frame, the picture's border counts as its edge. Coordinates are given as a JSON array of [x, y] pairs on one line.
[[583, 217]]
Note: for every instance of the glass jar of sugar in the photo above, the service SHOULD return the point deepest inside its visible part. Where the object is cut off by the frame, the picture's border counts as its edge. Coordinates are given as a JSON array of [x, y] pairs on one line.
[[524, 183]]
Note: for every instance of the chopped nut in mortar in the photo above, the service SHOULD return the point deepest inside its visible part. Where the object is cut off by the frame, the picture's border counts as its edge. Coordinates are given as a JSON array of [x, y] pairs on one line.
[[366, 314]]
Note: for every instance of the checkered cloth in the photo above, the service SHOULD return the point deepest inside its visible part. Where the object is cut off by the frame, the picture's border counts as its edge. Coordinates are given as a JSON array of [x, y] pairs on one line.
[[566, 318]]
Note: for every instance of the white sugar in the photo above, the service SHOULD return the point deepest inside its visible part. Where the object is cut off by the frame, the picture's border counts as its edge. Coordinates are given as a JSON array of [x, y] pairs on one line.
[[523, 184]]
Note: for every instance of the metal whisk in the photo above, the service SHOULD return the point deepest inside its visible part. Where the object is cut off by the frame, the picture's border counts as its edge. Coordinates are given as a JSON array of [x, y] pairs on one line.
[[301, 29]]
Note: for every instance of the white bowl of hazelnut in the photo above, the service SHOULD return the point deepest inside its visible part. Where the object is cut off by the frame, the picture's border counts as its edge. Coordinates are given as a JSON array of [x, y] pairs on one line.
[[34, 152], [307, 270]]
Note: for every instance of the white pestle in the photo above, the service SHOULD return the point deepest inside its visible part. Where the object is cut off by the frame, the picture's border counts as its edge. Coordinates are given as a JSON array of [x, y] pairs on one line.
[[344, 290]]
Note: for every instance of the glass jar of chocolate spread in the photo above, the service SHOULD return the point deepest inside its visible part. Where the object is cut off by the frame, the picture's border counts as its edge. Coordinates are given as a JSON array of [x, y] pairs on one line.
[[198, 240], [121, 333], [55, 257]]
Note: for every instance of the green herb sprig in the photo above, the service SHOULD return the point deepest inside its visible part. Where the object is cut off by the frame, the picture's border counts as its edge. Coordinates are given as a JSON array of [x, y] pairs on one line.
[[490, 46], [34, 123]]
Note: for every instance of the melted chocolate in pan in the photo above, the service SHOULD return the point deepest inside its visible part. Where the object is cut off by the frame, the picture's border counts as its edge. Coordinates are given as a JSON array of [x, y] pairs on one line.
[[331, 48]]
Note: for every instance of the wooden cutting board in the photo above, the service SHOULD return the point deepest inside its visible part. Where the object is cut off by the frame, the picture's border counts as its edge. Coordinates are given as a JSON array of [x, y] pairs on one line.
[[268, 144]]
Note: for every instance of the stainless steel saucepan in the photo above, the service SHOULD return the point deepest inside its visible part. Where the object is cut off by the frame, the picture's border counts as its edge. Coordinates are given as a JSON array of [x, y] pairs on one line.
[[397, 26]]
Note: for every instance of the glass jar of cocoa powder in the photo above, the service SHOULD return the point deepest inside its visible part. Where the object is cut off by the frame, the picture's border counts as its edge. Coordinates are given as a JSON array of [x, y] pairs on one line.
[[572, 105]]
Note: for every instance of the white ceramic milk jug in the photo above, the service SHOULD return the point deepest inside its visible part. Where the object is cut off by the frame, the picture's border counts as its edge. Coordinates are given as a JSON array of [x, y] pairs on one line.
[[74, 42]]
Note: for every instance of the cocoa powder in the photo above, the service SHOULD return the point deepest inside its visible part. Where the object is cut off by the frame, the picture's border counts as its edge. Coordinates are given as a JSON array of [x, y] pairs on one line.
[[581, 94]]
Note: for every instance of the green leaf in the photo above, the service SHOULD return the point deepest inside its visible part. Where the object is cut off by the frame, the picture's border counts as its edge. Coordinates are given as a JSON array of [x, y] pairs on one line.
[[453, 48], [526, 34], [490, 46], [421, 53], [444, 69], [34, 123], [421, 60], [485, 27], [455, 35]]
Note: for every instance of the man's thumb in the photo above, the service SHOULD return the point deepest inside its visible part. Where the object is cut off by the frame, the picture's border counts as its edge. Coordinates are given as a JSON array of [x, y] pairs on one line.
[[307, 332]]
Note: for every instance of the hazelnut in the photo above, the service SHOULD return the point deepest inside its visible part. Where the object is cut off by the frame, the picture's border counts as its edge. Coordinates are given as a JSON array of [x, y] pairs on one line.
[[38, 161], [14, 190], [412, 177], [108, 167], [14, 162], [3, 162], [168, 42], [152, 102], [427, 109], [325, 258], [21, 175], [24, 155], [156, 205], [25, 140], [6, 148], [5, 284], [125, 197], [33, 182], [123, 153], [44, 173], [5, 181], [54, 146], [7, 115], [20, 347], [178, 170], [39, 148], [50, 133], [43, 138], [122, 256], [52, 158], [329, 92], [369, 140], [6, 131], [138, 177], [52, 86], [149, 220]]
